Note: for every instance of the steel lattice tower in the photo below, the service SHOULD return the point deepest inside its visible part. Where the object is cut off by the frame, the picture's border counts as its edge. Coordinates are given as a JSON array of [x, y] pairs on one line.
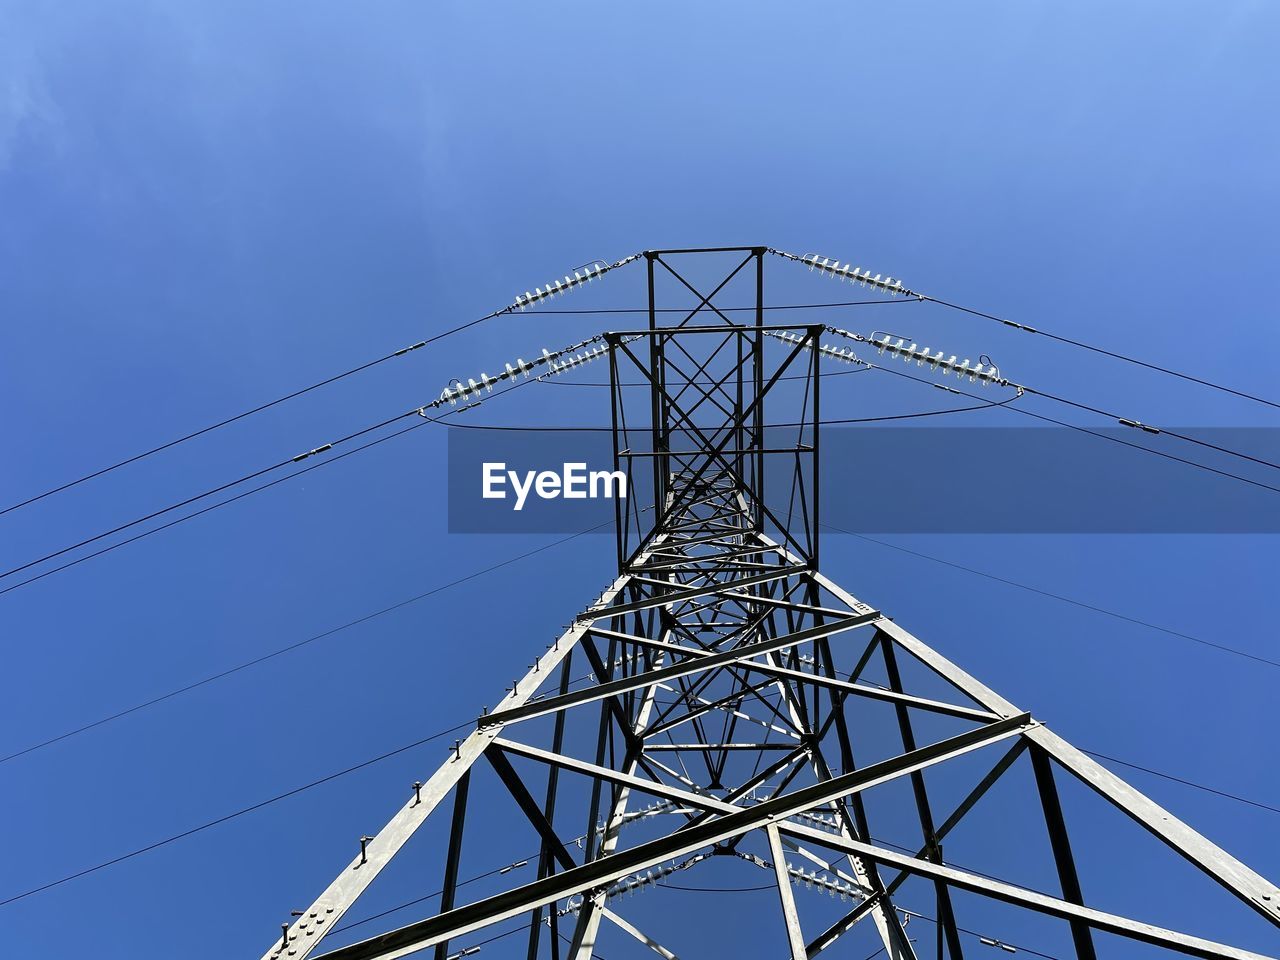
[[726, 711]]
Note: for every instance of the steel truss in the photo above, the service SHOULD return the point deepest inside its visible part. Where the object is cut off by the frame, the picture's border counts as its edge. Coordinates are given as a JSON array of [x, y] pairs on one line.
[[729, 679]]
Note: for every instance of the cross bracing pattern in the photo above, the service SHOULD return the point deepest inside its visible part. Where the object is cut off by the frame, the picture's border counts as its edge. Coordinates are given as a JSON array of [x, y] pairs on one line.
[[724, 713]]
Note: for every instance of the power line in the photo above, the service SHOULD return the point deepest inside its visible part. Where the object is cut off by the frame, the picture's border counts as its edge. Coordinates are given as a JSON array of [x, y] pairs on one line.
[[1152, 429], [1059, 597], [1093, 433], [258, 473], [430, 896], [1025, 412], [373, 363], [771, 426], [594, 956], [1110, 353], [232, 816], [214, 506], [905, 912], [201, 496], [247, 413], [236, 814], [989, 940], [501, 936], [1186, 783], [239, 496], [527, 428], [912, 296], [1048, 396], [1061, 423], [992, 376], [639, 383], [672, 886], [297, 645], [783, 306]]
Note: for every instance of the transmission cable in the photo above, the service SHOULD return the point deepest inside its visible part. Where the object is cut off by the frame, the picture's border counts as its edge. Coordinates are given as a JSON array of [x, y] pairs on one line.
[[519, 428], [847, 272], [1104, 352], [233, 815], [685, 310], [1093, 433], [423, 899], [211, 507], [589, 272], [1148, 428], [298, 644], [986, 940], [238, 813], [1186, 783], [208, 493], [247, 413], [419, 411], [522, 861], [672, 886], [641, 383], [769, 426], [992, 375], [1057, 596]]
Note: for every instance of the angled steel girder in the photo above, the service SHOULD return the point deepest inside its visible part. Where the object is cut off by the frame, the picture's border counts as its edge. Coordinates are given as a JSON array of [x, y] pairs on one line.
[[721, 631], [733, 822], [323, 915]]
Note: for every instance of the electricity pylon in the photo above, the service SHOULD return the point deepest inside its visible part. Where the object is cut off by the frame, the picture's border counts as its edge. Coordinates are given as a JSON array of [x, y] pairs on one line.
[[731, 713]]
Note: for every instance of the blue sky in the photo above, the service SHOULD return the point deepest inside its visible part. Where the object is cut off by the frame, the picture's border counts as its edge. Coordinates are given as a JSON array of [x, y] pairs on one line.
[[207, 204]]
